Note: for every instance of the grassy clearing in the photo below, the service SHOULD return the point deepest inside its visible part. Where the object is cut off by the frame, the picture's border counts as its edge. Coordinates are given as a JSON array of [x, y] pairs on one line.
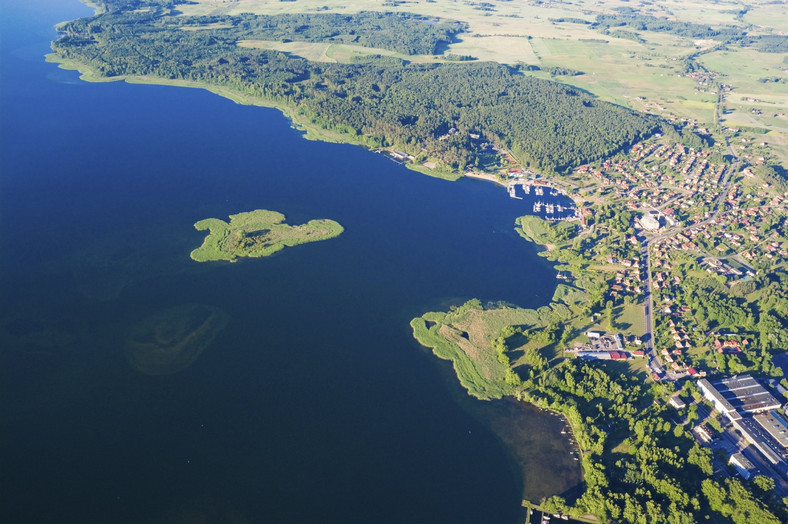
[[767, 14], [479, 372], [315, 51], [437, 172], [543, 232], [744, 67], [497, 48], [630, 318], [754, 102]]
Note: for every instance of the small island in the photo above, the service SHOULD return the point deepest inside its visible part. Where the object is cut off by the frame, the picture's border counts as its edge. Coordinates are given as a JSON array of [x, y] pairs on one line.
[[258, 233]]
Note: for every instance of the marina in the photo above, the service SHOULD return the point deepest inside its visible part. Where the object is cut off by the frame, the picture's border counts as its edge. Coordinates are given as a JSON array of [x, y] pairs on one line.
[[554, 204]]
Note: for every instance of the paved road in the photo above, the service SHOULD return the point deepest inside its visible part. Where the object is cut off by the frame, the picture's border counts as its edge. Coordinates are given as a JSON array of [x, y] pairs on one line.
[[648, 302], [646, 242]]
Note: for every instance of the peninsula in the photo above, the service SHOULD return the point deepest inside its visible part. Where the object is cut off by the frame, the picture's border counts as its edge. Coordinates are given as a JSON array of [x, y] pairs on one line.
[[258, 233]]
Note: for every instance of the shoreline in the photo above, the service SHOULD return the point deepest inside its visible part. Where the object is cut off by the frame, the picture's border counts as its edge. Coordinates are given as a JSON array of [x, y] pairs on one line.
[[298, 121], [488, 177]]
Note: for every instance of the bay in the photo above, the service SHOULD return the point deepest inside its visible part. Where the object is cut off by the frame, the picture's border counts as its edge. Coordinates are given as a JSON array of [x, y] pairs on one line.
[[314, 403]]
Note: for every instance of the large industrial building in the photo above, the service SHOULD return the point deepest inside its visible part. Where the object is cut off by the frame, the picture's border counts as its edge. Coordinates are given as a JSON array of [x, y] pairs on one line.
[[740, 395], [752, 410]]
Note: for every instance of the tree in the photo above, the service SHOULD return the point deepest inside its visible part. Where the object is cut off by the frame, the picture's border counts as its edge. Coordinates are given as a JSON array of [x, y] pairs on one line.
[[764, 484], [554, 504]]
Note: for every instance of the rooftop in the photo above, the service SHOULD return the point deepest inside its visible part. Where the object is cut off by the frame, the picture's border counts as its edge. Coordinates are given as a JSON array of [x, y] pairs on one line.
[[741, 460], [745, 394], [756, 436], [775, 425], [720, 402]]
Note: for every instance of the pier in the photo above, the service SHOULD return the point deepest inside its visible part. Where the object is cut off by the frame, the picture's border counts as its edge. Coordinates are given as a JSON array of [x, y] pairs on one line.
[[552, 211]]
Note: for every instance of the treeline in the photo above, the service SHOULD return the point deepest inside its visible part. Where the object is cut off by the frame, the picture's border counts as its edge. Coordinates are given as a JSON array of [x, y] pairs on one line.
[[547, 125], [768, 43], [630, 18]]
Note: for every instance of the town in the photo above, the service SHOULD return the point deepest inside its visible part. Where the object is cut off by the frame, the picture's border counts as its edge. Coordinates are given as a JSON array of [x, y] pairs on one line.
[[697, 243]]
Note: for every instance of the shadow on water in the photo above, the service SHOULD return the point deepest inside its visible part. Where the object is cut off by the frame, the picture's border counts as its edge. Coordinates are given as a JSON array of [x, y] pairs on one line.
[[538, 442]]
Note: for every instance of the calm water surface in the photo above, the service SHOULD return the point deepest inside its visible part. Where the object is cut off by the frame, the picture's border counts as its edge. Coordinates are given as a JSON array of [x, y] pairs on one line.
[[314, 404]]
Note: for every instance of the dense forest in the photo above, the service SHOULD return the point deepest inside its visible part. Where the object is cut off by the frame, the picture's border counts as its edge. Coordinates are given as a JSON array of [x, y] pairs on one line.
[[632, 19], [428, 110]]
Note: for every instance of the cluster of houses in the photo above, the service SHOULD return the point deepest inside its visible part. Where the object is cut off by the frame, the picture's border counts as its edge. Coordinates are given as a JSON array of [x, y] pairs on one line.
[[673, 180], [627, 282], [735, 232], [664, 280], [704, 81], [656, 174], [731, 346], [703, 181], [675, 357]]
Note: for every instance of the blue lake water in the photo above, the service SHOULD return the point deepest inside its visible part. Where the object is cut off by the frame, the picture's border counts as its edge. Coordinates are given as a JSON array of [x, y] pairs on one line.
[[314, 403]]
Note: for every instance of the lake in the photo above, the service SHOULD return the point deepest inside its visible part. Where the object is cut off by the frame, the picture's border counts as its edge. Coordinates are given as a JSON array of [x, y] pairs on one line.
[[314, 403]]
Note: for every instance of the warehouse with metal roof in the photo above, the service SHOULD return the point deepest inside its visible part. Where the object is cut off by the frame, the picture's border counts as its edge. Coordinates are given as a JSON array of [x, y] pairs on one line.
[[743, 394]]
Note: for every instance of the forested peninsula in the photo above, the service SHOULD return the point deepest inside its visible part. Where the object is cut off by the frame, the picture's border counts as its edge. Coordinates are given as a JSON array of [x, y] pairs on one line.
[[434, 111]]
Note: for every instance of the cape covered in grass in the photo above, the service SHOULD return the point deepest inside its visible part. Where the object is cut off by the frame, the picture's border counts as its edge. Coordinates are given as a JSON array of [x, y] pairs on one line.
[[258, 233]]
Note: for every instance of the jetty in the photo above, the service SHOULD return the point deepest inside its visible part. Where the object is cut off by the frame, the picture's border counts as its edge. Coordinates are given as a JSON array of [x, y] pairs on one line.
[[553, 211]]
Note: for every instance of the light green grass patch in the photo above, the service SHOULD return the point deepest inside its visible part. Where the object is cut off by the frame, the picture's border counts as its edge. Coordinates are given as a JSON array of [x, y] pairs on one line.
[[630, 318], [767, 14], [503, 49], [464, 335], [314, 51]]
